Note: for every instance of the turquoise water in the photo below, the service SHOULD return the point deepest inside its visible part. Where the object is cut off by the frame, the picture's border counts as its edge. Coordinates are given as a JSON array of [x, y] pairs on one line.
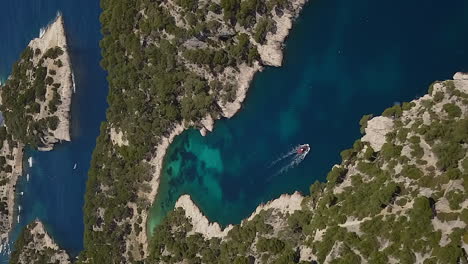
[[55, 192], [343, 59]]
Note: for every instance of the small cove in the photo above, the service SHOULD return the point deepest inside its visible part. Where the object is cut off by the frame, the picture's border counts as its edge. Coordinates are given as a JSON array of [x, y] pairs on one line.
[[342, 60]]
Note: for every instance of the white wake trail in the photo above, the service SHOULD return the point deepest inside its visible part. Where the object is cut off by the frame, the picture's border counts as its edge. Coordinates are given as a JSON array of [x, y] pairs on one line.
[[293, 151], [293, 158], [298, 159]]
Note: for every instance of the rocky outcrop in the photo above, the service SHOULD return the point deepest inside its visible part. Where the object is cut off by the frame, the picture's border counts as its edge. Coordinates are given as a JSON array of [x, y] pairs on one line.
[[200, 223], [36, 246], [243, 79], [271, 52], [118, 138], [376, 130], [285, 204], [207, 125]]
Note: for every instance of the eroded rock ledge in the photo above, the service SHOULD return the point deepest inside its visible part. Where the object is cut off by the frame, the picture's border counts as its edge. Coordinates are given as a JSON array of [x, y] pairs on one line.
[[285, 204]]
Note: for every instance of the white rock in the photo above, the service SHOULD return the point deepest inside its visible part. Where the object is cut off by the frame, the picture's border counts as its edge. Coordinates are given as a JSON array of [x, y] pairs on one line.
[[376, 130]]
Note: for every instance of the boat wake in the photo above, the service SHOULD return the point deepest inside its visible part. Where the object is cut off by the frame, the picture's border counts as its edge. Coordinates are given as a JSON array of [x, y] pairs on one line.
[[289, 160]]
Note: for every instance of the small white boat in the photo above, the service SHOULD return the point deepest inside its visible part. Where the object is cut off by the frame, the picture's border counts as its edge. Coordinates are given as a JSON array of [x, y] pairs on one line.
[[74, 166], [22, 193], [18, 218], [30, 161], [27, 177]]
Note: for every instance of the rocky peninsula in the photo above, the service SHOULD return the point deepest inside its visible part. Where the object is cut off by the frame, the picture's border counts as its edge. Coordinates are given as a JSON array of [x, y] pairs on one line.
[[35, 102], [36, 246]]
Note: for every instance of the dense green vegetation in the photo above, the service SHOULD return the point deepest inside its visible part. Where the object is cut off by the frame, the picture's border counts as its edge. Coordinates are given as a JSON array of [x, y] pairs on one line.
[[28, 250], [23, 93]]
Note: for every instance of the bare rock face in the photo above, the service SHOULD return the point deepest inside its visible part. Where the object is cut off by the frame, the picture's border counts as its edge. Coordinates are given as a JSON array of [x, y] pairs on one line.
[[285, 204], [460, 76], [376, 130], [271, 52], [207, 125], [38, 245], [118, 138], [199, 221]]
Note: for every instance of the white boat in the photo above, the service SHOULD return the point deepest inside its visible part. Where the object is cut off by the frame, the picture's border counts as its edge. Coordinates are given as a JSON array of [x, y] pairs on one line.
[[74, 166], [27, 177], [22, 193], [19, 208], [30, 161], [18, 218]]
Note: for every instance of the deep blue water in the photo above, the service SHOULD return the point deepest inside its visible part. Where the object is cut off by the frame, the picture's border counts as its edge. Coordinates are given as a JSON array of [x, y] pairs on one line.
[[343, 59], [55, 192]]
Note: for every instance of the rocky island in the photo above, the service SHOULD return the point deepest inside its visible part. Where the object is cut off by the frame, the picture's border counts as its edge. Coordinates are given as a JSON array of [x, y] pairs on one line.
[[35, 102]]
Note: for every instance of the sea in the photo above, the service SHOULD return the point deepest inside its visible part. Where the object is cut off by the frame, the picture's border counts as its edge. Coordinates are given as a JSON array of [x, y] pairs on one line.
[[55, 191], [343, 59]]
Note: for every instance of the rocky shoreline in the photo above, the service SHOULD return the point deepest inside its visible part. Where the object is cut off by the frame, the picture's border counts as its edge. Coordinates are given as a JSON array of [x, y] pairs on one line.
[[285, 204], [35, 244], [55, 36], [7, 191], [271, 54]]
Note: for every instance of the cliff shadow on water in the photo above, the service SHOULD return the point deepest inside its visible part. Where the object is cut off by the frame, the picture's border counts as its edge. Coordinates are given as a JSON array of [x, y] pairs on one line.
[[342, 60]]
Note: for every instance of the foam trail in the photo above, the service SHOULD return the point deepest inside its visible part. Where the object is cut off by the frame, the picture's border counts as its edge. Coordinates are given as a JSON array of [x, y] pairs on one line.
[[291, 165], [296, 159], [291, 152]]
